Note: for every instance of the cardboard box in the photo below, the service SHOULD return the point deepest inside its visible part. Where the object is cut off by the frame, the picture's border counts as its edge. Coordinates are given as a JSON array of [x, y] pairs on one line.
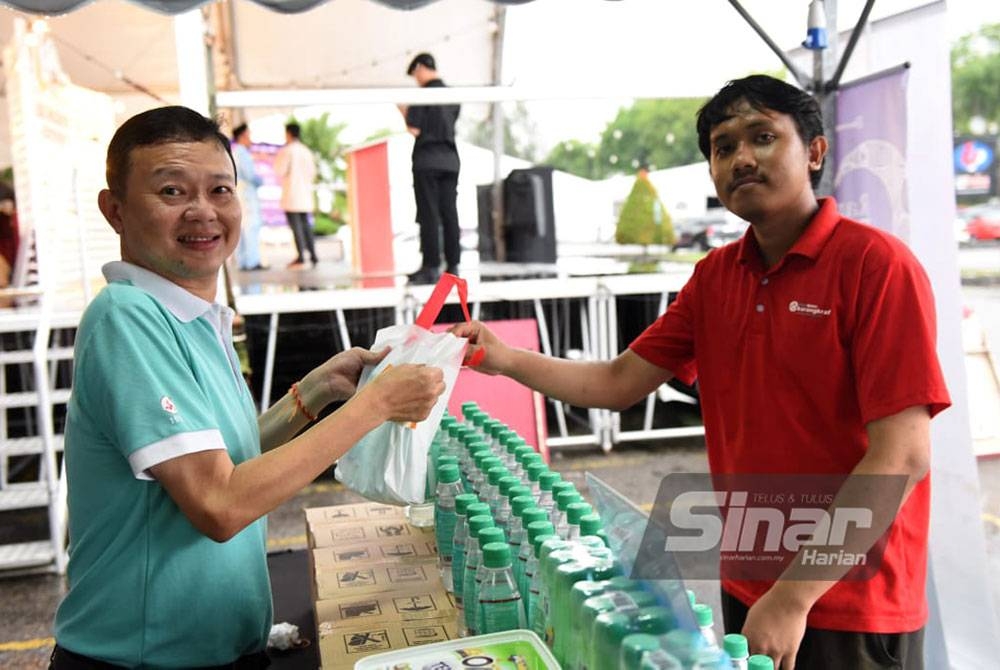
[[388, 550], [341, 647], [353, 513], [377, 578], [414, 605], [365, 531]]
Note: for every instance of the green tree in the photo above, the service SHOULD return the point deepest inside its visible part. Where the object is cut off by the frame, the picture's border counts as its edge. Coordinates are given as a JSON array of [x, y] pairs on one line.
[[520, 135], [643, 219], [654, 133], [576, 157], [975, 79]]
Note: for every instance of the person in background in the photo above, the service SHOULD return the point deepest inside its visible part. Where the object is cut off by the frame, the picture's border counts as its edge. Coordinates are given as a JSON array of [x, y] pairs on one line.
[[435, 175], [9, 236], [813, 342], [296, 168], [247, 182], [168, 485]]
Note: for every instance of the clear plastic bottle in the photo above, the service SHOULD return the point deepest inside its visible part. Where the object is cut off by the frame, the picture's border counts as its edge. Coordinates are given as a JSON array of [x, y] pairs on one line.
[[538, 532], [449, 487], [630, 600], [684, 645], [591, 526], [703, 615], [611, 628], [589, 567], [712, 659], [760, 662], [660, 660], [499, 599], [476, 449], [634, 647], [511, 441], [578, 595], [738, 649], [473, 558], [492, 487], [557, 488], [527, 455], [486, 536], [525, 513], [483, 465], [564, 499], [501, 515], [553, 554], [575, 512], [535, 470], [545, 483], [468, 407], [463, 502]]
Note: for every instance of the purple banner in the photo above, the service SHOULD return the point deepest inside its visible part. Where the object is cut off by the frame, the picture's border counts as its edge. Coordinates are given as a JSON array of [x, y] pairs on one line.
[[870, 153]]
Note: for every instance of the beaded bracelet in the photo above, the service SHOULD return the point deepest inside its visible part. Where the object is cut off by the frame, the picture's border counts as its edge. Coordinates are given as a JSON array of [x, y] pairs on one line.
[[299, 405]]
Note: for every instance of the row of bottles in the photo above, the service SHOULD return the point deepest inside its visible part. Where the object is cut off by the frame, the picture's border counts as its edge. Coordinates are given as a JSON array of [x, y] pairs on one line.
[[520, 548]]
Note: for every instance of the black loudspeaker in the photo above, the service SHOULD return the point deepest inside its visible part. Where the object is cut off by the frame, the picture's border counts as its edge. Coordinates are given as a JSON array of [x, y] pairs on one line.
[[529, 216], [484, 200]]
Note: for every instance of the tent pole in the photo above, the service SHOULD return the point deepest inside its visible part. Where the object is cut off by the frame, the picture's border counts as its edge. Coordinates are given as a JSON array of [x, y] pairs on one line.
[[496, 110]]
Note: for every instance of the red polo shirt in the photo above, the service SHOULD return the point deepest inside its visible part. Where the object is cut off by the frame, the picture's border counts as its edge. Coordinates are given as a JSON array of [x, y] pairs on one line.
[[793, 361]]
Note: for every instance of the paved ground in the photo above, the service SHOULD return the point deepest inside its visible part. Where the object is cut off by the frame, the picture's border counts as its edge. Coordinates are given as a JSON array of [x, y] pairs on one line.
[[28, 603]]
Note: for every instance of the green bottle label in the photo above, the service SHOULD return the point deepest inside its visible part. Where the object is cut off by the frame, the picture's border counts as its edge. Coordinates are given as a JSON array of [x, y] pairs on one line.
[[444, 532], [498, 615]]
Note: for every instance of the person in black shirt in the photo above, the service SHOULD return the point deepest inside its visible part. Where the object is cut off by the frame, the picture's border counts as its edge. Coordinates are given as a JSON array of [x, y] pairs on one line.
[[435, 174]]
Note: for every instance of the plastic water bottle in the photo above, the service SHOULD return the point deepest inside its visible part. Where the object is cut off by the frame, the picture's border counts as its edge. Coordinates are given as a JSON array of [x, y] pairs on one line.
[[552, 554], [462, 503], [486, 536], [760, 662], [557, 488], [593, 567], [501, 515], [575, 512], [684, 645], [630, 600], [660, 660], [476, 449], [492, 487], [564, 499], [545, 483], [535, 470], [449, 487], [538, 533], [499, 599], [511, 441], [473, 558], [703, 615], [712, 659], [634, 648], [467, 408], [526, 455], [738, 649], [591, 526], [525, 512], [611, 628]]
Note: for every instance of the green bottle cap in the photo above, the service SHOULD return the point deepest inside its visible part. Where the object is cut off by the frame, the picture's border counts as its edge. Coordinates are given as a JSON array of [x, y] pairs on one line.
[[448, 473], [536, 470], [490, 534], [692, 598], [736, 646], [496, 555], [538, 529], [507, 483], [576, 511], [513, 443], [448, 420], [531, 457], [567, 497], [455, 429], [464, 500], [490, 462], [533, 514], [519, 504], [518, 491], [479, 522], [561, 486], [703, 614], [548, 479], [446, 459], [496, 473], [478, 417], [489, 425], [469, 405], [633, 648], [590, 524], [760, 662], [522, 450]]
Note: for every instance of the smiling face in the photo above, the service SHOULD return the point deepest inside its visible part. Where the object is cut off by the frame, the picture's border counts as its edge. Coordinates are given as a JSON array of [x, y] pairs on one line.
[[760, 165], [179, 215]]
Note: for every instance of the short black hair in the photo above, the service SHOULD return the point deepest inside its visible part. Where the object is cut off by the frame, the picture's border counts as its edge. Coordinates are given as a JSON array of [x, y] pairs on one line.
[[293, 129], [162, 125], [424, 59], [238, 131], [762, 92]]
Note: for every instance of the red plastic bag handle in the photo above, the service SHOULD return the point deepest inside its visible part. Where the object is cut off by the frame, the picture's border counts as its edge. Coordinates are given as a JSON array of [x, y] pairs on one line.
[[432, 308]]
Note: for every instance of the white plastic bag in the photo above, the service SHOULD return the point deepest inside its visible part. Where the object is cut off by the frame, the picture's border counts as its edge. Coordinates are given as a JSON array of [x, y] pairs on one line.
[[389, 464]]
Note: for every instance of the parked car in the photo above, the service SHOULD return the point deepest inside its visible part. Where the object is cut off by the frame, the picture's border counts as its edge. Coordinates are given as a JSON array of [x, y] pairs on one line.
[[716, 228], [982, 222]]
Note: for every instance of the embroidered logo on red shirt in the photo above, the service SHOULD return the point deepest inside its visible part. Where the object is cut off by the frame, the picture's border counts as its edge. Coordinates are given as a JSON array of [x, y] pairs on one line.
[[807, 309], [168, 405]]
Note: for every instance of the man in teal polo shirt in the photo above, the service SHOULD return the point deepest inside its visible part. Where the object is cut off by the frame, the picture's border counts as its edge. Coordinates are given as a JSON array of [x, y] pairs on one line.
[[168, 487]]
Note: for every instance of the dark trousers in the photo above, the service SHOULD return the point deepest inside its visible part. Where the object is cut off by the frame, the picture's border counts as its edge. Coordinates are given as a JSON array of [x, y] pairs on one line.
[[435, 191], [64, 659], [299, 223], [842, 650]]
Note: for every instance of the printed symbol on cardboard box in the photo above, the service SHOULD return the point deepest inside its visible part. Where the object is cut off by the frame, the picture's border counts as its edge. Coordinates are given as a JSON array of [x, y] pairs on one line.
[[399, 551], [414, 604], [407, 574], [432, 548], [353, 555], [391, 530], [340, 513], [425, 635], [367, 641], [350, 533], [382, 510], [355, 578], [451, 599], [360, 609]]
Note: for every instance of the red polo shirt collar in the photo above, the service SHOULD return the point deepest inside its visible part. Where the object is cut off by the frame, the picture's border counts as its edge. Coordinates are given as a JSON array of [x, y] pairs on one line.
[[809, 245]]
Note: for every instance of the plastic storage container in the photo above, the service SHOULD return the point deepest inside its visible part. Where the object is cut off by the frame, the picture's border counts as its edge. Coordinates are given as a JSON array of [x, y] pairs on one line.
[[482, 651]]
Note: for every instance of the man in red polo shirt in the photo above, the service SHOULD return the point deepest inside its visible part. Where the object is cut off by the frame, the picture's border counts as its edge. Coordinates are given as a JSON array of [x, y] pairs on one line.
[[813, 343]]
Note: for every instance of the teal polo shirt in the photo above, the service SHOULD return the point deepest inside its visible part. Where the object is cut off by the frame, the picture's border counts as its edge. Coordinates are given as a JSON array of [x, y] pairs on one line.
[[155, 377]]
